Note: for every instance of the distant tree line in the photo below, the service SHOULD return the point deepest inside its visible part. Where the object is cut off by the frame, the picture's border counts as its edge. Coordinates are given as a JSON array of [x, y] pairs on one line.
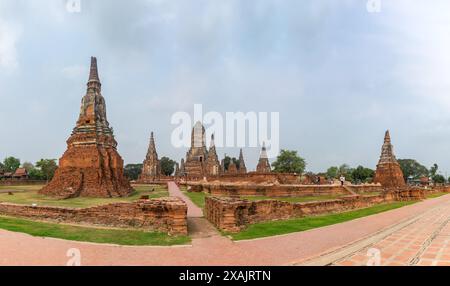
[[43, 169]]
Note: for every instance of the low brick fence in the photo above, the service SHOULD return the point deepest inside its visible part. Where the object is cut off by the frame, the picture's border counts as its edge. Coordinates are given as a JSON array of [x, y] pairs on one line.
[[163, 214], [238, 190], [233, 215], [13, 182]]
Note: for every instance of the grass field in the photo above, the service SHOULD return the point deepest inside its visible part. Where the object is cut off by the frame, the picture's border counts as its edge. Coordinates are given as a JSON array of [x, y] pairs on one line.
[[197, 198], [436, 195], [301, 224], [90, 234], [30, 196]]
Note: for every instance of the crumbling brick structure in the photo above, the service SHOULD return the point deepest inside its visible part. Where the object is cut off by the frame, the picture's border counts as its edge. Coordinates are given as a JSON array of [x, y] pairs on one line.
[[388, 173], [163, 214], [91, 165], [233, 214], [151, 169]]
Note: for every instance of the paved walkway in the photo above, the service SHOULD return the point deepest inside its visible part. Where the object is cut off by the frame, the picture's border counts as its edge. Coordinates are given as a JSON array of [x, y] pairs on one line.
[[425, 220], [193, 210]]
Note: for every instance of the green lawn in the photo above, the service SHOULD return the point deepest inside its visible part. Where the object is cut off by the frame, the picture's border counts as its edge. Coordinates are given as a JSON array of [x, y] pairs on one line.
[[30, 196], [301, 224], [90, 234], [436, 195], [197, 198]]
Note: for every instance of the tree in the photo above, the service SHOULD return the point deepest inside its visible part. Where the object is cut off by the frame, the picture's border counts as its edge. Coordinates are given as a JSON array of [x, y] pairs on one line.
[[11, 164], [167, 166], [289, 162], [28, 166], [361, 174], [434, 169], [412, 169], [438, 179], [332, 172], [36, 174], [132, 171], [47, 167]]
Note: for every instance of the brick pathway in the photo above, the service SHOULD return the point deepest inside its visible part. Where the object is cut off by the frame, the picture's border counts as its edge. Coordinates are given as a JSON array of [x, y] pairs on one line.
[[417, 232], [193, 210], [426, 241]]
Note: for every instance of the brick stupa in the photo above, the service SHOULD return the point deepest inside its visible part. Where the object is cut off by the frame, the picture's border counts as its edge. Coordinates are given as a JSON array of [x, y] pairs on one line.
[[91, 165], [151, 169], [388, 173], [263, 163]]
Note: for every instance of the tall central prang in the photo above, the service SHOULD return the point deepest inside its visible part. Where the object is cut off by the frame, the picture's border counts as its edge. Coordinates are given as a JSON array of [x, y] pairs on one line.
[[91, 165]]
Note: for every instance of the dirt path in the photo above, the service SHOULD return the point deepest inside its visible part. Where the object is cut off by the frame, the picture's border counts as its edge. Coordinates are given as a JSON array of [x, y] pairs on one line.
[[207, 249]]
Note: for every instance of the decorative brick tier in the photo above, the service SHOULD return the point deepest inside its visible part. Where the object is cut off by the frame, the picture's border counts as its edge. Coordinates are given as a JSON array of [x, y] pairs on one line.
[[233, 215], [163, 214]]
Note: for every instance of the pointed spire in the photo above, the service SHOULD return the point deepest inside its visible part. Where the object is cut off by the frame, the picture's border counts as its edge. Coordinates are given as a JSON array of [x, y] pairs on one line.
[[263, 151], [212, 144], [94, 80], [387, 137], [387, 150], [242, 167]]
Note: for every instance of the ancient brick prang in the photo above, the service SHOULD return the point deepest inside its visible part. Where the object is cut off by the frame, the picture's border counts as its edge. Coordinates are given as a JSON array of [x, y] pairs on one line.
[[91, 165], [212, 162], [151, 169], [242, 167], [388, 173], [263, 163], [197, 155]]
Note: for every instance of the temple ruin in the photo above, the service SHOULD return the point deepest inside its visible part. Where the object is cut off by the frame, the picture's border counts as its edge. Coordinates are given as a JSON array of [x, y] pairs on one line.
[[388, 173], [91, 165], [263, 163], [151, 169]]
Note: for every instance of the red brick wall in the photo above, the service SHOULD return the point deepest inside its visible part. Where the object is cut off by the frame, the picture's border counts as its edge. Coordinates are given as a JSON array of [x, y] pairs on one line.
[[233, 215], [164, 214], [235, 190]]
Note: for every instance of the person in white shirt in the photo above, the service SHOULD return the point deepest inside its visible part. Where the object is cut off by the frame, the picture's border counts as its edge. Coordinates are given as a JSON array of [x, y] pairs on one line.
[[342, 179]]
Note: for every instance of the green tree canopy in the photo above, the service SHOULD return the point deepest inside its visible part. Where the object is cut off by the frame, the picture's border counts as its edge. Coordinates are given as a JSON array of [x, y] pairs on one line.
[[411, 168], [47, 167], [167, 166], [289, 162], [132, 171], [11, 164], [438, 179], [362, 174], [228, 160], [433, 170], [332, 172]]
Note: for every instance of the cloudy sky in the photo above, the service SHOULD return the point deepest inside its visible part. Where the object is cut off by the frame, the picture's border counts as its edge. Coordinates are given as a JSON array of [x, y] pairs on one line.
[[338, 75]]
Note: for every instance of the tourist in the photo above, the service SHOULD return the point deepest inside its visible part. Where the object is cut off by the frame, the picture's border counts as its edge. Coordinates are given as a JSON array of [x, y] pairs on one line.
[[342, 179]]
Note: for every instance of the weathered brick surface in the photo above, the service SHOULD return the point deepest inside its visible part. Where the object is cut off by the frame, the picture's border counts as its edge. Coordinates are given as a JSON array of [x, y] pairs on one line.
[[276, 190], [163, 214], [91, 165], [388, 172], [233, 214]]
